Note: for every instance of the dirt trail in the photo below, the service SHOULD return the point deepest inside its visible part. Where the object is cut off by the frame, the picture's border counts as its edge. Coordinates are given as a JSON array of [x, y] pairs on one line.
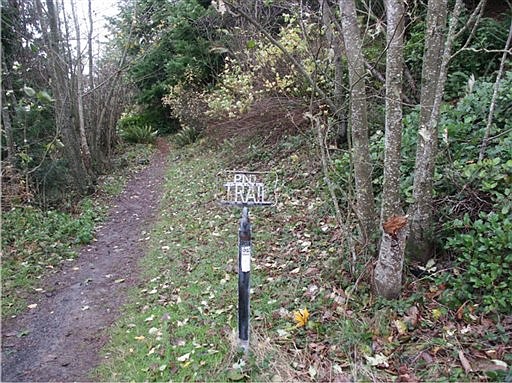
[[67, 328]]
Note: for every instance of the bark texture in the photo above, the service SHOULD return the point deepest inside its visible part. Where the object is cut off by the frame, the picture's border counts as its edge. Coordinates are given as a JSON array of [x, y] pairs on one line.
[[419, 243], [335, 41], [388, 270], [358, 119], [84, 146]]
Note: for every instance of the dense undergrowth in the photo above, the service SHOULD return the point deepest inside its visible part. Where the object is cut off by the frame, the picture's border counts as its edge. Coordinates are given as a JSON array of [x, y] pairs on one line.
[[36, 241]]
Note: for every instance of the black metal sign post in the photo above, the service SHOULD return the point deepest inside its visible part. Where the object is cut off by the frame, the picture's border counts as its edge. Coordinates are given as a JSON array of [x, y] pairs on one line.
[[244, 278], [245, 189]]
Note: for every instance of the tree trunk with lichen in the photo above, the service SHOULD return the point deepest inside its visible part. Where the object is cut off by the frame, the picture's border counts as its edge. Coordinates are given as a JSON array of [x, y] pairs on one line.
[[335, 42], [365, 204], [438, 44], [388, 270]]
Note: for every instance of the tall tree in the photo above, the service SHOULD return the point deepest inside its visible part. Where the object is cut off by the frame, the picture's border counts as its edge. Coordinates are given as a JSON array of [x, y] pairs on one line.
[[365, 204], [388, 271], [84, 145], [60, 70], [437, 54], [335, 42]]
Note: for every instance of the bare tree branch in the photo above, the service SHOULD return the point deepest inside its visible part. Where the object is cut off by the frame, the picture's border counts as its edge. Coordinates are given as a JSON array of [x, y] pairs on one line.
[[490, 116]]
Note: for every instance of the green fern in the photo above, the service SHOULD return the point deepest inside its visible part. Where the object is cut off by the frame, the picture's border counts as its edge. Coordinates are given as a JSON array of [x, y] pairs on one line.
[[143, 134], [188, 135]]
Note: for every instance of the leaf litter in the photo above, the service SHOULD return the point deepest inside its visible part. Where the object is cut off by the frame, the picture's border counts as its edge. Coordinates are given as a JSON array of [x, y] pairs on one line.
[[344, 334]]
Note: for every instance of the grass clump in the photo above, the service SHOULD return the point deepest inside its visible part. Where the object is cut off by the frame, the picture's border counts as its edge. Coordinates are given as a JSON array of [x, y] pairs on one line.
[[186, 136], [35, 241]]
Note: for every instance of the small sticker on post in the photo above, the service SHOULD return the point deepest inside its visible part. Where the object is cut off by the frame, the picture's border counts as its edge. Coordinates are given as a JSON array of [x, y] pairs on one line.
[[246, 258]]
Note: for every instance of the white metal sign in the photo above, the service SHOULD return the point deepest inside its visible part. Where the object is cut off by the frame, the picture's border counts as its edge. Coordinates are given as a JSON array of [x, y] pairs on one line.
[[247, 189], [246, 258]]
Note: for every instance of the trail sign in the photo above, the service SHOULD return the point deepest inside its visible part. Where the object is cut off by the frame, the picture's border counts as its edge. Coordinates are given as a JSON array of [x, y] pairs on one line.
[[244, 189]]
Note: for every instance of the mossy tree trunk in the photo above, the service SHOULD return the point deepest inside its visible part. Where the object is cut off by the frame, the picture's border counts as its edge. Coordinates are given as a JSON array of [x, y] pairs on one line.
[[438, 46], [358, 121], [388, 270]]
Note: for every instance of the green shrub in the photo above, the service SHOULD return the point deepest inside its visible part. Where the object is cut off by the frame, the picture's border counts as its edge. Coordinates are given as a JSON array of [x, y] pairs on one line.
[[488, 40], [139, 134], [481, 240], [484, 257], [188, 135], [475, 205], [134, 128]]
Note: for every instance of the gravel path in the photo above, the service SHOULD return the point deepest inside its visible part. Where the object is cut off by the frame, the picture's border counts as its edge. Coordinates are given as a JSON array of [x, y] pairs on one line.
[[59, 340]]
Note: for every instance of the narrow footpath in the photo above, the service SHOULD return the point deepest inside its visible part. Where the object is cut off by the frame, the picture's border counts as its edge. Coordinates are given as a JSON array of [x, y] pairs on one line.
[[60, 339]]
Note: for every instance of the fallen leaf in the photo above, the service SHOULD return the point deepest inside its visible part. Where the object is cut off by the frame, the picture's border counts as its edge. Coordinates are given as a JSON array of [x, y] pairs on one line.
[[141, 337], [464, 362], [490, 365], [312, 372], [500, 363], [400, 326], [301, 317], [184, 357], [427, 357], [182, 323], [282, 333], [379, 360], [404, 375], [311, 292], [413, 316]]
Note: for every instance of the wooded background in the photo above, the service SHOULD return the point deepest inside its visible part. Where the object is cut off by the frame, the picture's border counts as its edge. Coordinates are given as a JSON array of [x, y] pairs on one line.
[[409, 102]]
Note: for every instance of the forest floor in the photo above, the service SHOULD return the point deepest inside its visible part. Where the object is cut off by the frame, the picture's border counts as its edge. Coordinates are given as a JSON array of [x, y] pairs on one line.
[[59, 337], [154, 297]]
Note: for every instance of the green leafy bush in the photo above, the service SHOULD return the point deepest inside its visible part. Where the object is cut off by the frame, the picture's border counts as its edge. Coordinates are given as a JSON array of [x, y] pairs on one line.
[[135, 129], [475, 200], [188, 135], [481, 240], [484, 248], [488, 40]]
